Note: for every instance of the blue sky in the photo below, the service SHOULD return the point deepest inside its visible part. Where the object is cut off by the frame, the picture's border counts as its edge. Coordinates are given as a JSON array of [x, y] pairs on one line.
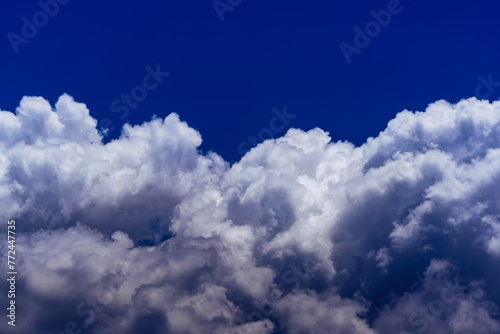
[[227, 76], [151, 233]]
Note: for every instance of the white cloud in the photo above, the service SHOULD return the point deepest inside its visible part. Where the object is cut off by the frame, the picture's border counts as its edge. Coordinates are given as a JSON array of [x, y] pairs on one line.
[[181, 242]]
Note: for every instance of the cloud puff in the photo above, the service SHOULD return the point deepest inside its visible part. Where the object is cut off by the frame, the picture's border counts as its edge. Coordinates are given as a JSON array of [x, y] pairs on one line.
[[147, 234]]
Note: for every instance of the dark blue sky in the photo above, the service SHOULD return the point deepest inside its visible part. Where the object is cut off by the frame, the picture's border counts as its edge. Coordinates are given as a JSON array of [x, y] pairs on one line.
[[227, 76]]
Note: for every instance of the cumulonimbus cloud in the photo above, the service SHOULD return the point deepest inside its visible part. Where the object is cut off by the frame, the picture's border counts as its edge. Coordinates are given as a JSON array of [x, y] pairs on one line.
[[145, 234]]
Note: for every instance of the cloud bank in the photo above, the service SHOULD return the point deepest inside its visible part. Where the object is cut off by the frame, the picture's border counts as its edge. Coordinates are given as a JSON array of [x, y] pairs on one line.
[[145, 234]]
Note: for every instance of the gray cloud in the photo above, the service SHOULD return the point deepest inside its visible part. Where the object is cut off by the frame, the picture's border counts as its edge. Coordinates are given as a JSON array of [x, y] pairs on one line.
[[146, 235]]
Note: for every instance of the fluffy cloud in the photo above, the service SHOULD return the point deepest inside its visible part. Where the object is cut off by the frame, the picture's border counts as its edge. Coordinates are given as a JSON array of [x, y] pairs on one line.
[[145, 234]]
